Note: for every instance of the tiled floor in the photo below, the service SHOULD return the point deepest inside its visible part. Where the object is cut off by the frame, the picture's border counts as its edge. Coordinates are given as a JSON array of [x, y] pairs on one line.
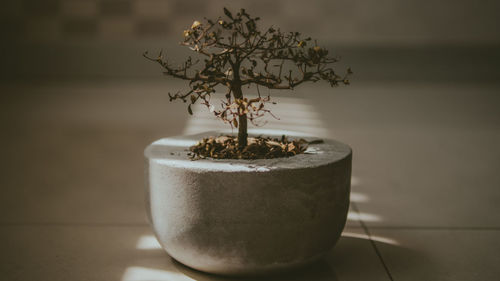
[[425, 179]]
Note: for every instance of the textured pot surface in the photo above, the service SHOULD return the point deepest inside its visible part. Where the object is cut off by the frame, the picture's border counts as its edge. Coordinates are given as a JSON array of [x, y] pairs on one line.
[[240, 217]]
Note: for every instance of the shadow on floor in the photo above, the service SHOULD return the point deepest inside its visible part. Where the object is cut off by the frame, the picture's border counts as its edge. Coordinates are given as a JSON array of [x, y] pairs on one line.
[[317, 271], [352, 259]]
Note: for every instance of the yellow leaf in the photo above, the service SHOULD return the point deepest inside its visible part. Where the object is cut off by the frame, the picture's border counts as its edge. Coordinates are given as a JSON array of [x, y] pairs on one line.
[[195, 24]]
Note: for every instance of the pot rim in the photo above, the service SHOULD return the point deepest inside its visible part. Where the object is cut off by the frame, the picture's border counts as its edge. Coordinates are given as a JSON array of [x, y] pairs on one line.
[[173, 151]]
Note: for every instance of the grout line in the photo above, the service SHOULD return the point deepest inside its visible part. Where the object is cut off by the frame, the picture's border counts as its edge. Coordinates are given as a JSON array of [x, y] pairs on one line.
[[367, 232], [472, 228], [6, 224], [362, 225]]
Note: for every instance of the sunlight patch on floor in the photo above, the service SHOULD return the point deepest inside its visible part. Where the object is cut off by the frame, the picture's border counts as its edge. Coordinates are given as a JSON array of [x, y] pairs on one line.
[[147, 242], [138, 273], [359, 197], [355, 181], [295, 114], [374, 238], [363, 217]]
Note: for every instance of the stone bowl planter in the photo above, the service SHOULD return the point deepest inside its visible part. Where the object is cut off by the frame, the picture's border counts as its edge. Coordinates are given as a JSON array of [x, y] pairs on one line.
[[245, 217]]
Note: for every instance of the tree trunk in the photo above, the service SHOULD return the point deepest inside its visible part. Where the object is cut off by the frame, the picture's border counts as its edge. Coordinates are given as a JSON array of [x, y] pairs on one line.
[[242, 132], [242, 120]]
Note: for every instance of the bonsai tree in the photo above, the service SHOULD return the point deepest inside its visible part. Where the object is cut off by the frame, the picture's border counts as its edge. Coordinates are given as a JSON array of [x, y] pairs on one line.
[[236, 54]]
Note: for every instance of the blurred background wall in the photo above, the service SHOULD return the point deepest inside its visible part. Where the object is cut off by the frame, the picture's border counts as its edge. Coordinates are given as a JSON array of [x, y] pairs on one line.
[[388, 39]]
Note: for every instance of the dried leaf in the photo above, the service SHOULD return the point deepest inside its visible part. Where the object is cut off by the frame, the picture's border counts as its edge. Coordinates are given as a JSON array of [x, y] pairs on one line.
[[225, 41], [274, 143], [195, 24], [228, 13], [225, 147]]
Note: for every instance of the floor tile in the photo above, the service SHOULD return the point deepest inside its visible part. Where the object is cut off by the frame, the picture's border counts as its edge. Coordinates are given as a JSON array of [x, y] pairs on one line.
[[424, 155], [72, 252], [454, 255], [425, 180], [354, 258], [443, 179], [122, 253], [75, 154]]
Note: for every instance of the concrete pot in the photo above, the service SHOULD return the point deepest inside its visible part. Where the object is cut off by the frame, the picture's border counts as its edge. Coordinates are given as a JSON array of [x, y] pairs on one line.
[[241, 217]]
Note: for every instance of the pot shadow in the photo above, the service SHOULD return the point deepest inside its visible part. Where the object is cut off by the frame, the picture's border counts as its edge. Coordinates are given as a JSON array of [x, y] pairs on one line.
[[353, 258], [317, 271], [356, 258]]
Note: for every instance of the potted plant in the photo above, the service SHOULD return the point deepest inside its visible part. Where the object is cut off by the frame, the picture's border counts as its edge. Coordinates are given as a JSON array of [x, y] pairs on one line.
[[247, 204]]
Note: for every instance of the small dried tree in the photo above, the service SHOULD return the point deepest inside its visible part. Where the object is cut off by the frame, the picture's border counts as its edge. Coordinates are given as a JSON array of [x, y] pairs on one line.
[[237, 54]]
